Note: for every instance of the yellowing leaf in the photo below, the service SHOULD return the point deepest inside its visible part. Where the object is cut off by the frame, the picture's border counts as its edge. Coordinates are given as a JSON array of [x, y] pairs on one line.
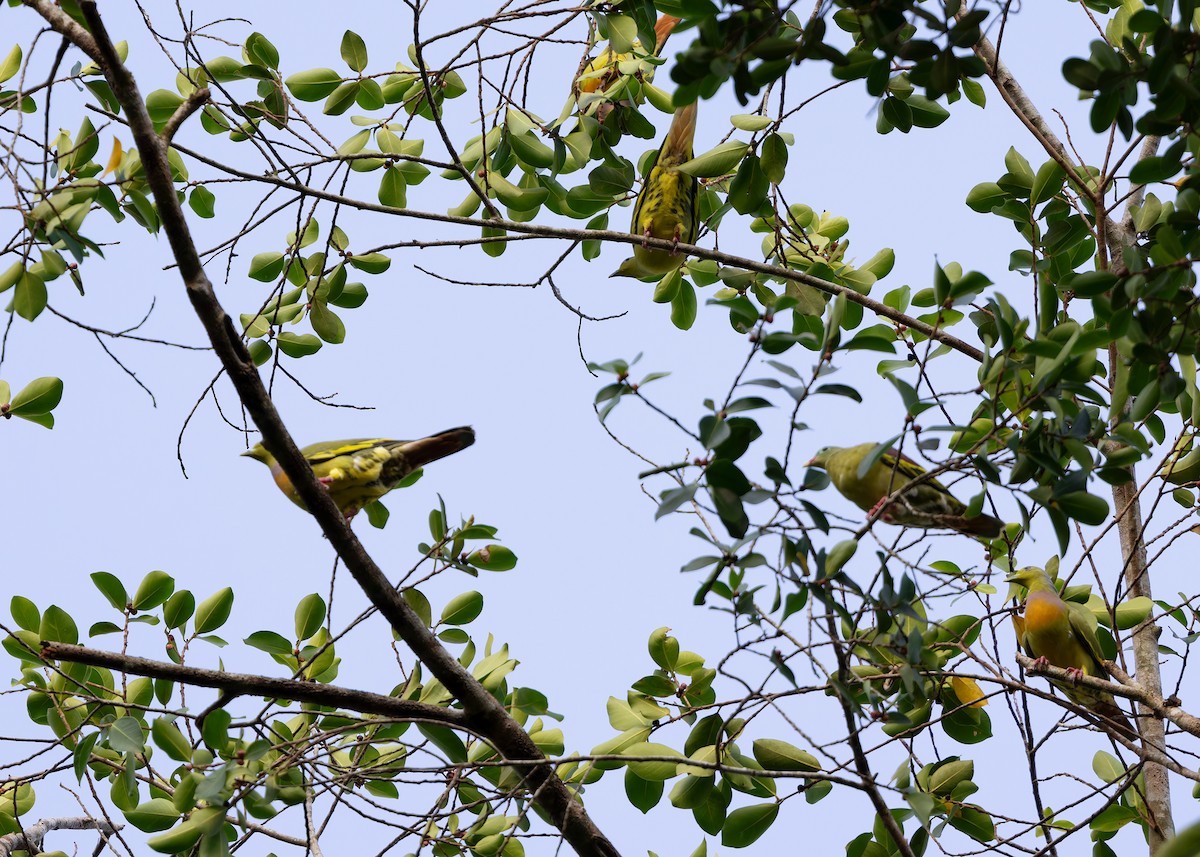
[[114, 159], [968, 692]]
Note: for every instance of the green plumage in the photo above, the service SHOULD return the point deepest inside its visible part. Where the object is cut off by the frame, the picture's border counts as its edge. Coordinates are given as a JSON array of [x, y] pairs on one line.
[[667, 206], [1063, 633], [356, 472], [927, 504]]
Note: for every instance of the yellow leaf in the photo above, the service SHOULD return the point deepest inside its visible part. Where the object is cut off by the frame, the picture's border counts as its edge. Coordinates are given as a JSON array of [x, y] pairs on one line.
[[114, 160], [968, 692]]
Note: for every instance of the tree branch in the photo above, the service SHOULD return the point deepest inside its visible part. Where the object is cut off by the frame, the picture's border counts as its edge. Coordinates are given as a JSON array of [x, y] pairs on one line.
[[834, 289], [245, 684], [193, 103], [30, 839], [485, 714]]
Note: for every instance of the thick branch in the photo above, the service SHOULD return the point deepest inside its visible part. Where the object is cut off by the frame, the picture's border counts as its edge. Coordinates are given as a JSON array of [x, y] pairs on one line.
[[243, 684], [30, 839], [485, 714], [191, 104], [1124, 686]]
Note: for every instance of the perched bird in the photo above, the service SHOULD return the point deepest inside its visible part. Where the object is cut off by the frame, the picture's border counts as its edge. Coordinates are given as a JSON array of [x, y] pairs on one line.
[[927, 504], [602, 71], [666, 207], [1063, 633], [356, 472]]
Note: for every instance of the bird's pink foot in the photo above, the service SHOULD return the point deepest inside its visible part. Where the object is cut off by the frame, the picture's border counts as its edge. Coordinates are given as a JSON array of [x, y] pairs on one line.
[[1041, 663], [879, 505], [645, 238], [325, 480], [1074, 673]]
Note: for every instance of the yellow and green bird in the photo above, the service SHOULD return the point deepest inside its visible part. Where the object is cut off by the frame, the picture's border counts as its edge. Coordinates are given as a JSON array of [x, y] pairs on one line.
[[667, 206], [1063, 633], [603, 71], [927, 504], [356, 472]]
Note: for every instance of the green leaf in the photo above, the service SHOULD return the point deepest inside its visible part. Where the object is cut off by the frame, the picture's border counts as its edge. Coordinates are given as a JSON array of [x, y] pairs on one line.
[[39, 396], [653, 770], [271, 643], [393, 190], [974, 822], [774, 156], [125, 736], [203, 202], [58, 626], [266, 267], [326, 323], [750, 121], [25, 613], [493, 558], [643, 794], [715, 162], [746, 824], [260, 351], [179, 608], [259, 50], [683, 306], [11, 276], [775, 755], [354, 50], [297, 344], [748, 190], [155, 588], [355, 143], [212, 612], [1133, 612], [371, 263], [314, 84], [1150, 170], [310, 613], [153, 815], [1047, 183], [341, 99], [462, 609], [161, 104], [986, 196], [30, 297], [377, 514], [839, 555], [11, 64], [111, 588], [1083, 507]]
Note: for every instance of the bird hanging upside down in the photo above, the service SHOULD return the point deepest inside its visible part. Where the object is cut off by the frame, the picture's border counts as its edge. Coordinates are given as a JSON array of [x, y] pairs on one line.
[[667, 206], [357, 472]]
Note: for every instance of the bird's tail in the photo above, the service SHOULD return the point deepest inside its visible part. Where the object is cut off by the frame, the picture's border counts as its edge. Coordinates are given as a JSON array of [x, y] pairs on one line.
[[677, 147], [1101, 703], [981, 526], [427, 449], [662, 31], [1110, 711]]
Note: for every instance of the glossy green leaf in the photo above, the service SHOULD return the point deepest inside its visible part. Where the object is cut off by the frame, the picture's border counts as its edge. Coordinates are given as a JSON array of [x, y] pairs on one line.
[[212, 612]]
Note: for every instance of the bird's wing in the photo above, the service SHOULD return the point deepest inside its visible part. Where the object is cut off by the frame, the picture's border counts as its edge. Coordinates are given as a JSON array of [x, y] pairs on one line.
[[318, 453], [1083, 626], [1019, 627]]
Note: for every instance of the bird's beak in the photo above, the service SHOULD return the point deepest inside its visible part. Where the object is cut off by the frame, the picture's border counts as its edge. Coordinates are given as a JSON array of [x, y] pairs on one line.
[[808, 463]]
